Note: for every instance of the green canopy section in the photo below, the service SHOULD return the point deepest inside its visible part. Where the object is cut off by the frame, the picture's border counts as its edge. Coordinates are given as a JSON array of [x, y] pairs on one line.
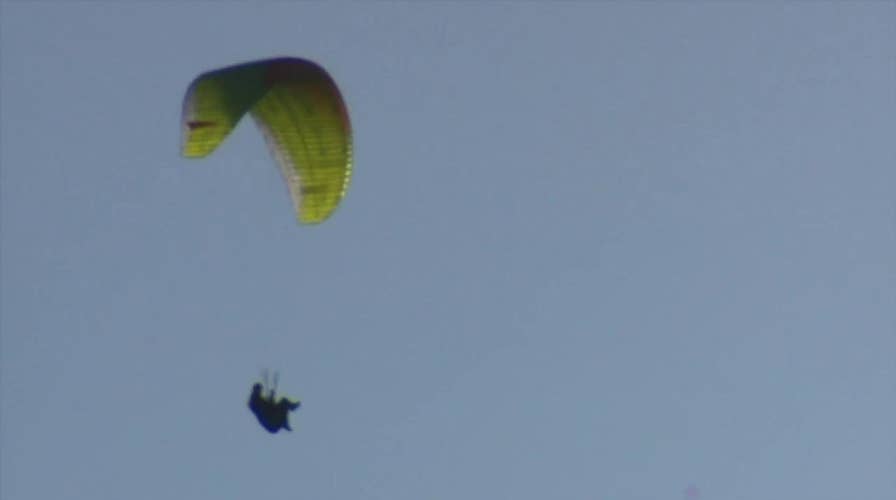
[[301, 114]]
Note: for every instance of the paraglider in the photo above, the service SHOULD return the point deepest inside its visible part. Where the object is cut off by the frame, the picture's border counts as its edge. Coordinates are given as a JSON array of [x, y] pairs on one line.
[[273, 415], [301, 115]]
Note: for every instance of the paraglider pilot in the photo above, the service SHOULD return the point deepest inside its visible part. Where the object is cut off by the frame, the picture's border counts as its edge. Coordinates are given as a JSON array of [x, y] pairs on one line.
[[273, 415]]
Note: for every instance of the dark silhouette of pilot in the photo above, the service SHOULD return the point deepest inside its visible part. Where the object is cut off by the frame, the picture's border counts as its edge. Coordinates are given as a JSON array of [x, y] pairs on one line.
[[273, 415]]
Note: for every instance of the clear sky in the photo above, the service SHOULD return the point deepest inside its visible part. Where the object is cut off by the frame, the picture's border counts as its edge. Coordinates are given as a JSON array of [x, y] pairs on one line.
[[591, 251]]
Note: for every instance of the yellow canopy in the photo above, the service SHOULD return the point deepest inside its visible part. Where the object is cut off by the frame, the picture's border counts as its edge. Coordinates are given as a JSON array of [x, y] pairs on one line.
[[301, 114]]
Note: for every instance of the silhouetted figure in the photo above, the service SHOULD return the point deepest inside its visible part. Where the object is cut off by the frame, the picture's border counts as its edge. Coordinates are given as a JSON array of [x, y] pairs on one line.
[[272, 415]]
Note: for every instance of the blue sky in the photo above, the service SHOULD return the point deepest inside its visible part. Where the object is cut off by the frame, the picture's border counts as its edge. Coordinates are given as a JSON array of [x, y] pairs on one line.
[[590, 251]]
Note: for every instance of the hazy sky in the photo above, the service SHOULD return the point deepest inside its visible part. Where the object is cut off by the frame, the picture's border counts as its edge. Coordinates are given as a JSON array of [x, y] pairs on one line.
[[591, 251]]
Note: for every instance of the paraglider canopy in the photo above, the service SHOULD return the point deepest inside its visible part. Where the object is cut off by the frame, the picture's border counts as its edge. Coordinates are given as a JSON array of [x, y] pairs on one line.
[[302, 117]]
